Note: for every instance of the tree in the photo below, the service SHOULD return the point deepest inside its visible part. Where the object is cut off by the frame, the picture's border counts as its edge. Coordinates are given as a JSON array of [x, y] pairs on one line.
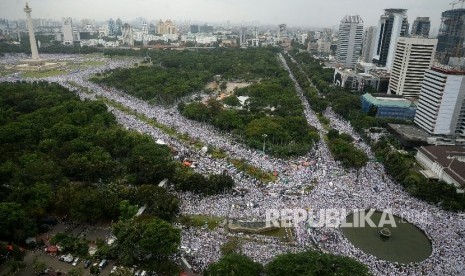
[[223, 85], [76, 271], [158, 200], [145, 240], [127, 211], [314, 263], [14, 223], [234, 264], [38, 266]]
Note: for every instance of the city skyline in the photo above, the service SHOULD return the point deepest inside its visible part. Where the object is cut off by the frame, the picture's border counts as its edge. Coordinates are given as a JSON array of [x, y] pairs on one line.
[[297, 13]]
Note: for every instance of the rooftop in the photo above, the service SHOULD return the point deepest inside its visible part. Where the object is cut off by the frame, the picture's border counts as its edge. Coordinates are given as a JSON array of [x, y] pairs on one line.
[[451, 158], [388, 101], [410, 132]]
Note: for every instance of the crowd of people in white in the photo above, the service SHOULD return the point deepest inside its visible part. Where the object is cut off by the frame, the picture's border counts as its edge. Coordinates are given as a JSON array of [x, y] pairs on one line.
[[315, 181]]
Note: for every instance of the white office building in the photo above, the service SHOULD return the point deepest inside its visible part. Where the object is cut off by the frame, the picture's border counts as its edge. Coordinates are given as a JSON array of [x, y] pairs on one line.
[[441, 108], [68, 37], [350, 40], [412, 57], [369, 42]]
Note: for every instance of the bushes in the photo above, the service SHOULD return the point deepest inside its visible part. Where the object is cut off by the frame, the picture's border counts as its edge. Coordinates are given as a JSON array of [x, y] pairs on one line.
[[343, 150]]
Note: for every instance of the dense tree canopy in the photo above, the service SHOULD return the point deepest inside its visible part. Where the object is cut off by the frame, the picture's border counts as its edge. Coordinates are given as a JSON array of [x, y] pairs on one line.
[[177, 74], [343, 150], [144, 240], [314, 263], [65, 156], [234, 264]]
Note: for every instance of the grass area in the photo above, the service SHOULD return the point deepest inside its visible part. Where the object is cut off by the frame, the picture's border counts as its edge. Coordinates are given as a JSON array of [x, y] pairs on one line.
[[324, 121], [93, 63], [200, 221], [5, 72], [43, 74], [259, 174]]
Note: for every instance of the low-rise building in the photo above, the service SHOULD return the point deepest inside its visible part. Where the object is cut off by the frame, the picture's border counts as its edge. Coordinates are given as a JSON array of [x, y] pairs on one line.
[[388, 106], [446, 163]]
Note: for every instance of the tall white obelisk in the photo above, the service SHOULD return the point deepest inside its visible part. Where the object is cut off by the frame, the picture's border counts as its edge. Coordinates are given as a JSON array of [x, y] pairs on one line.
[[32, 37]]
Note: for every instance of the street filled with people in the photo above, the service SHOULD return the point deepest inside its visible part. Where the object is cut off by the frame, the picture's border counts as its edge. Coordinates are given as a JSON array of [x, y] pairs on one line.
[[311, 182]]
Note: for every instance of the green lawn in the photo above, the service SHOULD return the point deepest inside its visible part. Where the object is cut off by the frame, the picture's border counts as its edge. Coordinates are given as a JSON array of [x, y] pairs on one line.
[[43, 74], [200, 221]]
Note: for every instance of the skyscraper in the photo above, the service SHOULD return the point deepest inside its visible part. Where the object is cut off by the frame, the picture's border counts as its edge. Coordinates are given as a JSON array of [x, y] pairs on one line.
[[369, 42], [111, 27], [421, 27], [350, 39], [119, 26], [451, 35], [166, 27], [194, 29], [243, 36], [413, 56], [128, 35], [68, 37], [441, 108], [392, 25]]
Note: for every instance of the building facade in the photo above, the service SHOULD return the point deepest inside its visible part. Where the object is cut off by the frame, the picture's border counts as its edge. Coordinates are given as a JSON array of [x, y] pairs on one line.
[[350, 40], [369, 42], [392, 25], [386, 106], [68, 37], [128, 35], [421, 27], [166, 28], [441, 108], [451, 35], [413, 56]]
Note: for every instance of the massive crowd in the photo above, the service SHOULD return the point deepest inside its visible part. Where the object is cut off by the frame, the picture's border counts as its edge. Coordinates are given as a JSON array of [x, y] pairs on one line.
[[315, 181]]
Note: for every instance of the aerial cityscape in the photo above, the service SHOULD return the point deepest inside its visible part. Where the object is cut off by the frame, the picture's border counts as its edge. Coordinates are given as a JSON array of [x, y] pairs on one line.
[[232, 138]]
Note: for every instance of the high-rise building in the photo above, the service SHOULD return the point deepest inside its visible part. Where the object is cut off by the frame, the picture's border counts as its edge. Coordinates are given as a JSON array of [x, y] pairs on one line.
[[421, 27], [349, 44], [441, 108], [128, 35], [111, 27], [119, 26], [194, 29], [243, 36], [392, 25], [68, 37], [145, 28], [166, 27], [413, 56], [451, 35], [206, 29], [369, 42]]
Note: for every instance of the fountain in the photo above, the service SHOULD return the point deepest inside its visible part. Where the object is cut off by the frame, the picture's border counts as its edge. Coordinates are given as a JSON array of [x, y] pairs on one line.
[[408, 244], [385, 233]]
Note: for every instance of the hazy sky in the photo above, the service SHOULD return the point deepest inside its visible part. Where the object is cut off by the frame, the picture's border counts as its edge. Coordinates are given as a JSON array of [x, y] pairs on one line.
[[304, 13]]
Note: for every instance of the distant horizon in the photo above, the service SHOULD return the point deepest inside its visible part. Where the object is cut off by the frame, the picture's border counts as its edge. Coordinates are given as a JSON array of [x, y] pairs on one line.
[[294, 13]]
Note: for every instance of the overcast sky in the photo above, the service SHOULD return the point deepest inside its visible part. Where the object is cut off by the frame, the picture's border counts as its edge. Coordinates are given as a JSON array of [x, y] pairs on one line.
[[318, 13]]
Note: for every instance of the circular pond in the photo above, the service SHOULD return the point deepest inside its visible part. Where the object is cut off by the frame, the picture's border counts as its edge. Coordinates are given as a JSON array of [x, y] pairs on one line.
[[405, 243]]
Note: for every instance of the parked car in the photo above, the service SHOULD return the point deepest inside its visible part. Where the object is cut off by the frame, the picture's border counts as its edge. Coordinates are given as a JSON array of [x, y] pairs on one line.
[[87, 263], [75, 262], [102, 264]]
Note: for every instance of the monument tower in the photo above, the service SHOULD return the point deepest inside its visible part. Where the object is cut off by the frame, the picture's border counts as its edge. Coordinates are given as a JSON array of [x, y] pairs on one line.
[[35, 63], [32, 37]]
